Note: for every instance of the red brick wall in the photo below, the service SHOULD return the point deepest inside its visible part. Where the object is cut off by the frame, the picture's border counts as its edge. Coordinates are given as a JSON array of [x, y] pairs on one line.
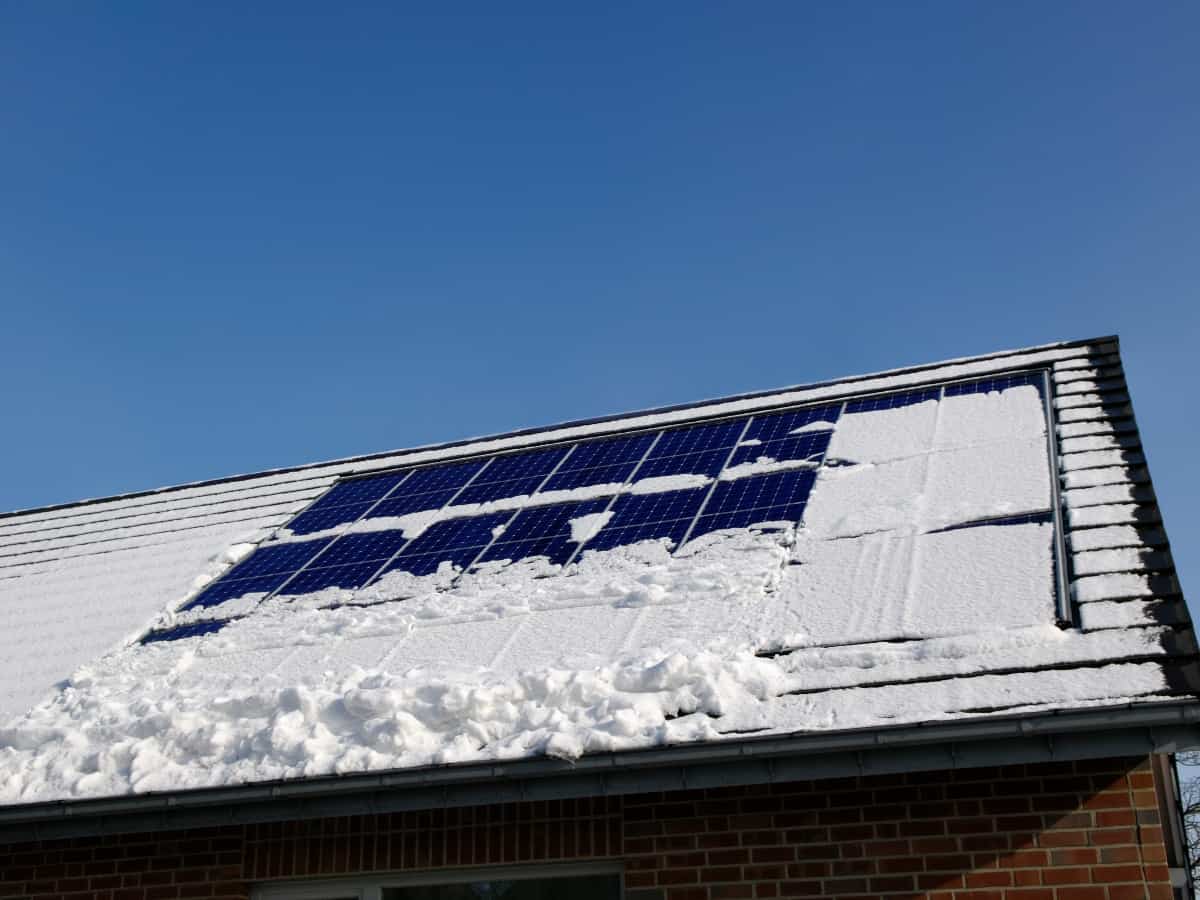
[[1065, 831]]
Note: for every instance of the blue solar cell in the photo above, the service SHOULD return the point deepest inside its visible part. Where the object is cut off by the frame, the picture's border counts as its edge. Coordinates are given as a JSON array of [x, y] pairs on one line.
[[609, 537], [761, 492], [356, 548], [543, 531], [708, 462], [360, 490], [317, 578], [475, 531], [776, 426], [803, 446], [482, 492], [744, 518], [522, 465], [440, 478], [699, 437], [410, 503], [998, 383], [320, 518], [893, 401], [542, 521], [610, 474], [428, 563], [634, 509], [282, 557], [608, 452], [229, 588], [179, 632], [556, 549]]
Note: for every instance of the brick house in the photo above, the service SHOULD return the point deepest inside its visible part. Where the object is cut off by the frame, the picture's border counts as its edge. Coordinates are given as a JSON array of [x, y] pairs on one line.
[[907, 634]]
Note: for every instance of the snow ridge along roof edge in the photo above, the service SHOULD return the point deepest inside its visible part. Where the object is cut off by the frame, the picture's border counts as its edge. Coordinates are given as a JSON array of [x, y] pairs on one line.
[[1130, 729]]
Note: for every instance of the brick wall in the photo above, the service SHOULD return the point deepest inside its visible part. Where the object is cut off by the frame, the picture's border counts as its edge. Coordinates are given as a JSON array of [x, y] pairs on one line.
[[1065, 831]]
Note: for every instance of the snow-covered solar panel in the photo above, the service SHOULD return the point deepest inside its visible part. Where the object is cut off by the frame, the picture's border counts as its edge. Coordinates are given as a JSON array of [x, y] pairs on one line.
[[560, 502]]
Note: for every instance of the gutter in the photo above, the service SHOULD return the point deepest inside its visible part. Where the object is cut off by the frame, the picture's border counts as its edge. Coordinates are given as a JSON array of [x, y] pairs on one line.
[[1133, 729]]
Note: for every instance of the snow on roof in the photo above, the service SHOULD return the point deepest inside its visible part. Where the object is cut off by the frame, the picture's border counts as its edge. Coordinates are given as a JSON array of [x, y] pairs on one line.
[[921, 585]]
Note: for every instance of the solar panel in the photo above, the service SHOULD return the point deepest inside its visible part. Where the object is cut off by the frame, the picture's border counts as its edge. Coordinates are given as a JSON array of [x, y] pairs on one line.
[[765, 498], [615, 474], [355, 548], [542, 531], [440, 478], [893, 401], [410, 503], [699, 437], [608, 451], [179, 632], [496, 490], [316, 578], [279, 557], [999, 383], [709, 462], [802, 446], [228, 588], [316, 519], [429, 563], [358, 490], [609, 461], [638, 517], [473, 531], [638, 510], [778, 426]]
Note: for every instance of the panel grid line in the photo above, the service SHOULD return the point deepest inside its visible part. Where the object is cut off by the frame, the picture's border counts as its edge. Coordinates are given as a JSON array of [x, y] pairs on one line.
[[578, 551], [449, 502], [712, 487], [308, 565], [516, 512]]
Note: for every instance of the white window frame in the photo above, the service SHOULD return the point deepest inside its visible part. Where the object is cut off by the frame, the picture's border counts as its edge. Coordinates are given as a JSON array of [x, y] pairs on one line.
[[371, 887]]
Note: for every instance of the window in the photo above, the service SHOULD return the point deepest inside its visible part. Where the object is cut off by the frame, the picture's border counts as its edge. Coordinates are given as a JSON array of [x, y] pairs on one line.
[[572, 882]]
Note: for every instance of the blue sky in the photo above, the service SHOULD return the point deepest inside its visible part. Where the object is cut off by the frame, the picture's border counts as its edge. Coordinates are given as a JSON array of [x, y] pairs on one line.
[[237, 238]]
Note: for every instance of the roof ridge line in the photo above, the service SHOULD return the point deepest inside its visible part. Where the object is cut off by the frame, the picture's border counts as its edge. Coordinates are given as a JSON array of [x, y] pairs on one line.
[[573, 423]]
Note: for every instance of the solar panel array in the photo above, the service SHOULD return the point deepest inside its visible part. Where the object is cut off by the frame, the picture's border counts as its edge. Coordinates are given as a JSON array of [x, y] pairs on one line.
[[672, 485]]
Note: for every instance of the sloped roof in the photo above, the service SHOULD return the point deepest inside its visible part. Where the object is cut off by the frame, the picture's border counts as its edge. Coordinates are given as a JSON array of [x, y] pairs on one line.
[[968, 553]]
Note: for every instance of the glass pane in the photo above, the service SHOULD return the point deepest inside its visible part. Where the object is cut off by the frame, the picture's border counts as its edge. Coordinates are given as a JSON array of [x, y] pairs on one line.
[[589, 887]]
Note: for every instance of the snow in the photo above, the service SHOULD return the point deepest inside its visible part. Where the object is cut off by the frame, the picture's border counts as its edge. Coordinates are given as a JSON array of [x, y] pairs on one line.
[[1096, 562], [1096, 458], [1095, 477], [584, 528], [1110, 514], [1111, 587], [1099, 496], [815, 425], [777, 630], [1115, 536]]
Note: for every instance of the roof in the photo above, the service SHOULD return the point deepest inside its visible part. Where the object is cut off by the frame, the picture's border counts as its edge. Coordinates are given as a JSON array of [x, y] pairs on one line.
[[968, 544]]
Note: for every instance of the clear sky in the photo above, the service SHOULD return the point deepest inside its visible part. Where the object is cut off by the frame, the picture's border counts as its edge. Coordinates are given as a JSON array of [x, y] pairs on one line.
[[239, 236]]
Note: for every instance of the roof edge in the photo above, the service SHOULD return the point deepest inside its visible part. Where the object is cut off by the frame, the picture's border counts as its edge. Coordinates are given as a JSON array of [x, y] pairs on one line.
[[1129, 729], [574, 423]]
